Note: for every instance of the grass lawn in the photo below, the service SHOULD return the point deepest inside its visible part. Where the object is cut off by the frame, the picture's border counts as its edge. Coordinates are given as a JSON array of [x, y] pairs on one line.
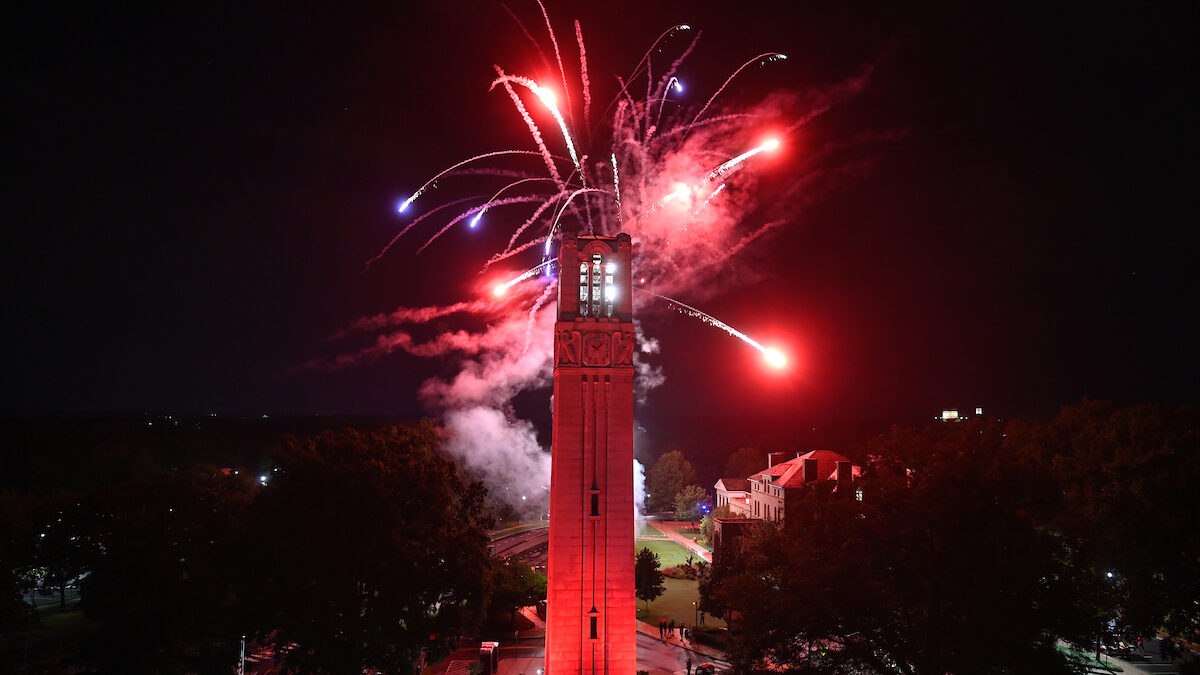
[[648, 531], [669, 553], [676, 603], [1090, 660], [72, 621]]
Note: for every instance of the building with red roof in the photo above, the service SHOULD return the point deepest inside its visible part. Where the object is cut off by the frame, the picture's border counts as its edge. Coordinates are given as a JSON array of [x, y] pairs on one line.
[[764, 495]]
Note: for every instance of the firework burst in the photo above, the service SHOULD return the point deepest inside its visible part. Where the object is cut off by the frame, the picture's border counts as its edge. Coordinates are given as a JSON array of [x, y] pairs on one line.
[[678, 177]]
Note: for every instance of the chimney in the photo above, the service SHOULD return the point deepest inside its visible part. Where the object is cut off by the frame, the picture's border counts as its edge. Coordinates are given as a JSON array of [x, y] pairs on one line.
[[774, 458], [845, 474], [810, 470]]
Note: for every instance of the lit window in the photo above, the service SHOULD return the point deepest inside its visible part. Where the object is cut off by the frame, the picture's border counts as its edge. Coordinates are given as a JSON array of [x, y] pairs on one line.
[[583, 289], [596, 283]]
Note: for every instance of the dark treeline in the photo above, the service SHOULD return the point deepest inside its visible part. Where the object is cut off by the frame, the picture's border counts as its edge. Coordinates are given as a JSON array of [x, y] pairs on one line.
[[360, 549], [979, 547], [79, 454]]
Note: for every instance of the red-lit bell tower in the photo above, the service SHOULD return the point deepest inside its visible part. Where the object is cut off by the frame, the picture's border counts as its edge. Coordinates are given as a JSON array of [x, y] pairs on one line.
[[590, 622]]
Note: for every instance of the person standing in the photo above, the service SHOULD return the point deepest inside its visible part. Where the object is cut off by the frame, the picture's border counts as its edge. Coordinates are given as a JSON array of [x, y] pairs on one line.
[[671, 628], [689, 665]]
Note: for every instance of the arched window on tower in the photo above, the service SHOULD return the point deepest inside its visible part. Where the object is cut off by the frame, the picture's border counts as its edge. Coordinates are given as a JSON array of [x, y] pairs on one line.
[[583, 288], [596, 289], [610, 289]]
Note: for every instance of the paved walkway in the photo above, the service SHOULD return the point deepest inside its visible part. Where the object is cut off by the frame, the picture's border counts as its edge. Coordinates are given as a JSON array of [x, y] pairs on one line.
[[703, 652], [671, 529]]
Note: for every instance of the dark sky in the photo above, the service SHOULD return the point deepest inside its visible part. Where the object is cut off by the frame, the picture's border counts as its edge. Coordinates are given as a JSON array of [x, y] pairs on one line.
[[193, 193]]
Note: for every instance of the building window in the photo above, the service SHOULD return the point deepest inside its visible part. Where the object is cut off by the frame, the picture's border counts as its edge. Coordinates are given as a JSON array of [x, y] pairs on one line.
[[595, 504], [593, 625]]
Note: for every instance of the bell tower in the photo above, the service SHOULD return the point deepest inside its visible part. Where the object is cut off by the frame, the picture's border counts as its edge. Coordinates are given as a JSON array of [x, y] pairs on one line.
[[590, 622]]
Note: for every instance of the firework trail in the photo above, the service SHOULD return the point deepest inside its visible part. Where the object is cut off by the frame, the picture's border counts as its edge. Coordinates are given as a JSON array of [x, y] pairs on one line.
[[773, 356], [583, 74], [760, 59], [680, 179]]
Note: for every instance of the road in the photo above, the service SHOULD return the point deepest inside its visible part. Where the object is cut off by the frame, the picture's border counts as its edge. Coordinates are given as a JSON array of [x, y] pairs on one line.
[[1151, 662]]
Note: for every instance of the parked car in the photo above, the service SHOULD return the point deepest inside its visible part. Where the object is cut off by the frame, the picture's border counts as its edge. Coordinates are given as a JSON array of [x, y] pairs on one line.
[[706, 669]]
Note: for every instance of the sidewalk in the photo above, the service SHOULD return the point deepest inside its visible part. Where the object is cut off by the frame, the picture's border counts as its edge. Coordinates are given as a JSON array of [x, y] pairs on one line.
[[703, 652], [673, 535]]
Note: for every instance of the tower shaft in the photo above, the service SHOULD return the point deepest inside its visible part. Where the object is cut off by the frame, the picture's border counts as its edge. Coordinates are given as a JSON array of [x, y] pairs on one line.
[[590, 624]]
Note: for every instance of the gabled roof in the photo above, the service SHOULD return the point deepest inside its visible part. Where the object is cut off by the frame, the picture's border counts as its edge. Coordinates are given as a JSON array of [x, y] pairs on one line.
[[791, 472], [733, 484]]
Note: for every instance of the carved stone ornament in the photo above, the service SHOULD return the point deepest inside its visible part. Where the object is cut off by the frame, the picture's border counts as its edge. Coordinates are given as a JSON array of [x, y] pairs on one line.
[[622, 344], [566, 348], [597, 349]]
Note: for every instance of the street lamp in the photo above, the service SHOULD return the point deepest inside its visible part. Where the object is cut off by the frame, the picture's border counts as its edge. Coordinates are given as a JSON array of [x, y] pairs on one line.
[[696, 615]]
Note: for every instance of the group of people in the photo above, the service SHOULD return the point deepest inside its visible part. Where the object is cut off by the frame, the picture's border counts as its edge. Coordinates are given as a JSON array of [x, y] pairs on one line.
[[667, 629]]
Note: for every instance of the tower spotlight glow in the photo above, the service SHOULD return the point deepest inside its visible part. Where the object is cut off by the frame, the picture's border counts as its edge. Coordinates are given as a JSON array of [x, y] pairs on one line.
[[770, 144]]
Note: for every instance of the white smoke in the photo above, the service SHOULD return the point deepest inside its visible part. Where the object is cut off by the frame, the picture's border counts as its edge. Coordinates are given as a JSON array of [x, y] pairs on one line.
[[646, 376], [639, 492], [503, 452]]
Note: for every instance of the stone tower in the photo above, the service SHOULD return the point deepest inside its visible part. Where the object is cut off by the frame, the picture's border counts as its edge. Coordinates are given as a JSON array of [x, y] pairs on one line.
[[590, 623]]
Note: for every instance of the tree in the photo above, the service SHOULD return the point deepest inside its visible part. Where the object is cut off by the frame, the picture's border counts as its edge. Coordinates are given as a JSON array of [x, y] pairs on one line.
[[514, 585], [666, 477], [1126, 478], [58, 546], [708, 527], [16, 559], [647, 576], [165, 555], [370, 550], [690, 503], [745, 462], [942, 567]]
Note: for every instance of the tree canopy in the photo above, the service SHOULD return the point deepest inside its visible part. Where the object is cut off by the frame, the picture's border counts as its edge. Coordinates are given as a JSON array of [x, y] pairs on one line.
[[371, 550], [648, 576], [515, 584], [691, 503], [165, 557], [1127, 494], [745, 461], [665, 478], [942, 567]]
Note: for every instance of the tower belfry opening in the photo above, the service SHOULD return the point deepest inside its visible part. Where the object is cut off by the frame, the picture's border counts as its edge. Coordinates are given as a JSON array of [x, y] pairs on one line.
[[590, 622]]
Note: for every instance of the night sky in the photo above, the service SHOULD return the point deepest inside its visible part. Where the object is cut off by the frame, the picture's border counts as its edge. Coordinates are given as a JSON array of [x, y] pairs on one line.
[[193, 195]]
